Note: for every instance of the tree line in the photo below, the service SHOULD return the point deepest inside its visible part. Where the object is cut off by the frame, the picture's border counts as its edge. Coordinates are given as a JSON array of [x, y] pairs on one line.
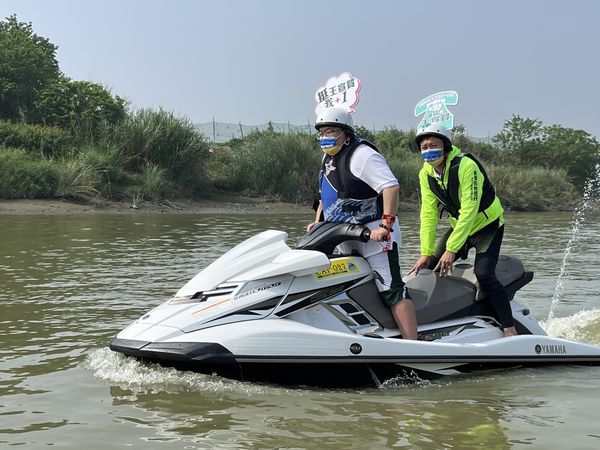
[[63, 138]]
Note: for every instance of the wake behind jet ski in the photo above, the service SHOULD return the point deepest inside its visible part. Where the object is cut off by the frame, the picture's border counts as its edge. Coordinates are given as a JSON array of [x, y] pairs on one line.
[[313, 316]]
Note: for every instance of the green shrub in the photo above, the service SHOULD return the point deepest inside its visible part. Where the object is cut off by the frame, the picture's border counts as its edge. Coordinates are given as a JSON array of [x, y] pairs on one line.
[[483, 151], [407, 171], [23, 176], [393, 142], [82, 107], [48, 141], [219, 167], [528, 142], [533, 188]]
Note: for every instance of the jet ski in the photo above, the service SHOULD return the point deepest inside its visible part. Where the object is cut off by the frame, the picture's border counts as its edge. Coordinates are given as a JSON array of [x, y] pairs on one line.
[[312, 315]]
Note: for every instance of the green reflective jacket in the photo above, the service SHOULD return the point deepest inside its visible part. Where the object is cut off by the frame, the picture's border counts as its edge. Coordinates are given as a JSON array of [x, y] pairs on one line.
[[470, 190]]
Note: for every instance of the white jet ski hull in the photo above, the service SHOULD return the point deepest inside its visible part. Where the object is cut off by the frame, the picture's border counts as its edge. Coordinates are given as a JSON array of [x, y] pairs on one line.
[[264, 312]]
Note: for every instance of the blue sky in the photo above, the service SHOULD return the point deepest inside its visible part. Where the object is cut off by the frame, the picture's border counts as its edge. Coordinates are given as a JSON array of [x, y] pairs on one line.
[[259, 60]]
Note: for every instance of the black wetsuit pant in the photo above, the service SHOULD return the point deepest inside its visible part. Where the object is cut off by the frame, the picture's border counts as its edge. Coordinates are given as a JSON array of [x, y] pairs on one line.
[[486, 242]]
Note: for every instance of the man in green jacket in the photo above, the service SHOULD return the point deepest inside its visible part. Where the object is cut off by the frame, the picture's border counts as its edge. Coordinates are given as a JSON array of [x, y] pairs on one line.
[[458, 183]]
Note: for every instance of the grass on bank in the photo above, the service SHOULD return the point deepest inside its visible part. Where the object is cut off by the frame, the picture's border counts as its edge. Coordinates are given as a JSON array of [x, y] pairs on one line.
[[153, 155]]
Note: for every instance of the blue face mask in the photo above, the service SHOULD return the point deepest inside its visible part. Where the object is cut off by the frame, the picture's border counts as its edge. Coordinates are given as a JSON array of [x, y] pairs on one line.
[[327, 141], [328, 144], [433, 156]]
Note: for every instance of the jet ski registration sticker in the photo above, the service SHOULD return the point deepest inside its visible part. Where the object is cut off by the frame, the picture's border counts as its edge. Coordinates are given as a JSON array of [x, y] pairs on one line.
[[338, 267]]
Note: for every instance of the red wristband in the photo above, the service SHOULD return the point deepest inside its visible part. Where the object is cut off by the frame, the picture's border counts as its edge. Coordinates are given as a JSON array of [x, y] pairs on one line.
[[389, 221]]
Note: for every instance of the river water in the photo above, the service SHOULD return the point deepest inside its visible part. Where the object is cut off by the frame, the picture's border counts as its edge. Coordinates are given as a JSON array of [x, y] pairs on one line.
[[69, 283]]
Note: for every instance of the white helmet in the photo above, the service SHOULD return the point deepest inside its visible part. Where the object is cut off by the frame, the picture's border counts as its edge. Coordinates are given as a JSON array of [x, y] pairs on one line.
[[437, 130], [334, 117]]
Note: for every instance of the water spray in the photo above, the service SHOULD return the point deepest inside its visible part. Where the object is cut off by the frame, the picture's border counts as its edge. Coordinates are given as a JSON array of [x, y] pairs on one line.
[[591, 193]]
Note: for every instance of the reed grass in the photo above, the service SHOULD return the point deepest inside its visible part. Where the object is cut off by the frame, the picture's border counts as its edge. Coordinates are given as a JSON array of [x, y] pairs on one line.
[[153, 155], [171, 143], [283, 166]]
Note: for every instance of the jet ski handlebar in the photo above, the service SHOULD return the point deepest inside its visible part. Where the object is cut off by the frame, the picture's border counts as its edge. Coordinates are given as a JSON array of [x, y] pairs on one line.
[[325, 236]]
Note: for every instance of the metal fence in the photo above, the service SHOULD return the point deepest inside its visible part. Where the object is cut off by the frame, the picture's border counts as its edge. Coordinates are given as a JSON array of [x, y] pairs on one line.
[[220, 132], [223, 131]]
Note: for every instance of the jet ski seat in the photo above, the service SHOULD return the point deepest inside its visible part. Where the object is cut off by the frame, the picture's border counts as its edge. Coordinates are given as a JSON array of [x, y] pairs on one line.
[[509, 271], [438, 297]]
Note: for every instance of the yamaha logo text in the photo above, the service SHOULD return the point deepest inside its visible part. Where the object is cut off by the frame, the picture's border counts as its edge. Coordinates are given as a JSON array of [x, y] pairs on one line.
[[558, 349]]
